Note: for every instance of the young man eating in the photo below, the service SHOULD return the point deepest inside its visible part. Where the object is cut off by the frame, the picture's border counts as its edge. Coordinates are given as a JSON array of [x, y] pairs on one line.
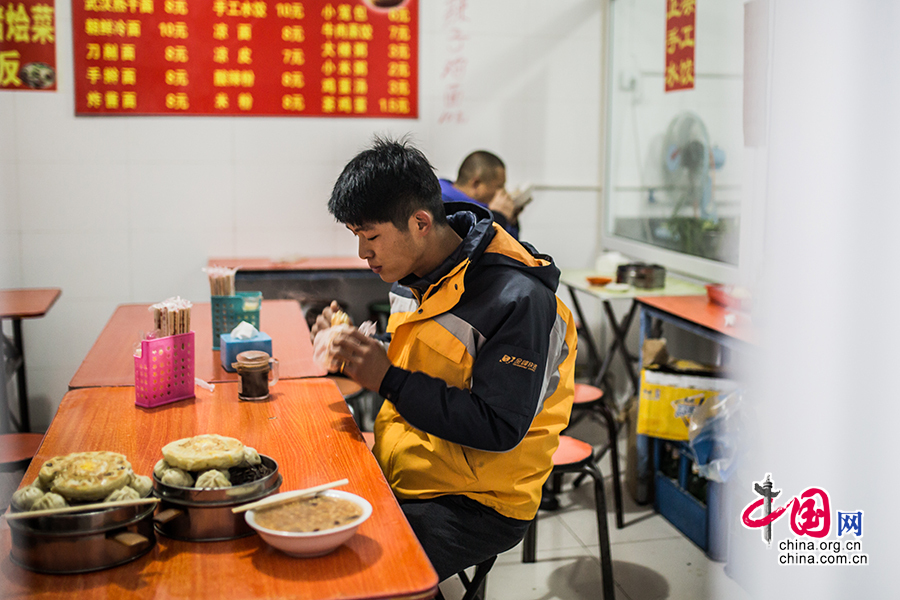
[[478, 377]]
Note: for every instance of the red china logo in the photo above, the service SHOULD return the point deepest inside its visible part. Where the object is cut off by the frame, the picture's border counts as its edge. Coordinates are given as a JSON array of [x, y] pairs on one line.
[[810, 517]]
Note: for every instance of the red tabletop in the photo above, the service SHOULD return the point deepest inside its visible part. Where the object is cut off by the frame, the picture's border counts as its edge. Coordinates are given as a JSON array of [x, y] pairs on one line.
[[110, 361], [700, 310], [308, 430], [27, 303], [311, 263]]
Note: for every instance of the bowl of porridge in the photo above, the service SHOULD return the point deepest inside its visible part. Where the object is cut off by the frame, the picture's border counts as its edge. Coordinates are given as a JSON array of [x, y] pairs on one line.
[[311, 526]]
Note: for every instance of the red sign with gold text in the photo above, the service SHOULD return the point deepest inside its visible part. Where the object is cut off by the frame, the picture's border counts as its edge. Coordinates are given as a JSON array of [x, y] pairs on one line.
[[351, 58], [680, 17], [27, 45]]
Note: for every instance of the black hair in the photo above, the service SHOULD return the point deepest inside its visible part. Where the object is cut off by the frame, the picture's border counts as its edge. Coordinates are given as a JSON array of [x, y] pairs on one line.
[[480, 163], [387, 183]]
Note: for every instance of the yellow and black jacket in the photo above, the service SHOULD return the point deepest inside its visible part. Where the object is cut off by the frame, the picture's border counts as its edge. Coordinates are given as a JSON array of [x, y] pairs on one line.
[[482, 380]]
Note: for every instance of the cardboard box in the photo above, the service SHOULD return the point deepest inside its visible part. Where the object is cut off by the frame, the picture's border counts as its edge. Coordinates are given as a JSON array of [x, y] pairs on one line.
[[668, 399]]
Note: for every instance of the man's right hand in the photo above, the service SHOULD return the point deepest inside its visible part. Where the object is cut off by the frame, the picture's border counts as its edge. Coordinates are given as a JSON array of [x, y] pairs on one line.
[[503, 203], [323, 321]]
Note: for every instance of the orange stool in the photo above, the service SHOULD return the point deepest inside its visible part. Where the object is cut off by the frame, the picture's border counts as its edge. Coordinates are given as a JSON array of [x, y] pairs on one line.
[[589, 401], [369, 438], [575, 456], [17, 450]]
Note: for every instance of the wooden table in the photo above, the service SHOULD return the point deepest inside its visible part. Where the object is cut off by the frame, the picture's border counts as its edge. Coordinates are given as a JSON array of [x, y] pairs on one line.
[[576, 280], [700, 316], [17, 305], [307, 428], [110, 363]]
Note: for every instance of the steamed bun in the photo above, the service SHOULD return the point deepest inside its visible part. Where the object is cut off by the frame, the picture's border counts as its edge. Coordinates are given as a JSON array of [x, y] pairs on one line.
[[49, 500], [142, 484], [24, 499], [251, 456], [214, 478], [161, 467], [123, 493], [177, 477]]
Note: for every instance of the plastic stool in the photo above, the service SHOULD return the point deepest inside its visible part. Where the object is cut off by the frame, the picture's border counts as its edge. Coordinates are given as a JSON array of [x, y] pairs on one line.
[[17, 450], [575, 456], [589, 402]]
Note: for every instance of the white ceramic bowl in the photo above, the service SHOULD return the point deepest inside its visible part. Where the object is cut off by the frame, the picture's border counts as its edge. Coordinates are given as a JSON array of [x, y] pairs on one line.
[[313, 543]]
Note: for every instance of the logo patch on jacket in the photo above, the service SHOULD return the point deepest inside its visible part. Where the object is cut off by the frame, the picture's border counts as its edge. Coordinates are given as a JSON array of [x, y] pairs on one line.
[[518, 362]]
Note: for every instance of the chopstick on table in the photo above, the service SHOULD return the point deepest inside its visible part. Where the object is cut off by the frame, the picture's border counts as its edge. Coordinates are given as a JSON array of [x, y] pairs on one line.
[[288, 496], [28, 514]]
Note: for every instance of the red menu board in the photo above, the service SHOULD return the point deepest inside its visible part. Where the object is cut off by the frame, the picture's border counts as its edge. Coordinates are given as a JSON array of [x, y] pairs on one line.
[[680, 19], [350, 58], [27, 45]]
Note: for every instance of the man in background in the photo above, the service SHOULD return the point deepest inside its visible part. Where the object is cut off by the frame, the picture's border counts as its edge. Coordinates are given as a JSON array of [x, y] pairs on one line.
[[482, 180]]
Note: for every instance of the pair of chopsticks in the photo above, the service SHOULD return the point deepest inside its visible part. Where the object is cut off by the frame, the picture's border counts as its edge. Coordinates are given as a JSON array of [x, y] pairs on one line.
[[289, 496], [28, 514]]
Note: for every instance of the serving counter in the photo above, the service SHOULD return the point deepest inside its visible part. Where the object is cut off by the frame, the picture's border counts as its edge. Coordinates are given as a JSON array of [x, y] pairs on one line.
[[313, 281], [306, 427]]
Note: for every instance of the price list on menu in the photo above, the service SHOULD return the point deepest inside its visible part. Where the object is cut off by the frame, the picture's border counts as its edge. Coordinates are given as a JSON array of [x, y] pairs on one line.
[[233, 57]]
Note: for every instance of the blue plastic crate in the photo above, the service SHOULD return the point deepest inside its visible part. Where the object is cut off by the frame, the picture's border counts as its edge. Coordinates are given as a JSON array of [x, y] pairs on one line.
[[702, 519]]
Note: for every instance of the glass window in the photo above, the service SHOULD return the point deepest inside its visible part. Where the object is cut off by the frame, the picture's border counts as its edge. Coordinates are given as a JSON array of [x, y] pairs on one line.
[[674, 159]]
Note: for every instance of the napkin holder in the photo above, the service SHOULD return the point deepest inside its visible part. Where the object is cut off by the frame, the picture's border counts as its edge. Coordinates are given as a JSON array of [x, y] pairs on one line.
[[229, 311], [164, 372], [230, 347]]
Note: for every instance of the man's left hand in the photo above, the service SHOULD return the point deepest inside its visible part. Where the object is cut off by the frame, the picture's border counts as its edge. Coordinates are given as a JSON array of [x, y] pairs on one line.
[[363, 358]]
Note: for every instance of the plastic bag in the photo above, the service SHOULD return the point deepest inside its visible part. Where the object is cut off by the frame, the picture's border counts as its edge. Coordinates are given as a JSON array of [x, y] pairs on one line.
[[323, 344], [713, 436]]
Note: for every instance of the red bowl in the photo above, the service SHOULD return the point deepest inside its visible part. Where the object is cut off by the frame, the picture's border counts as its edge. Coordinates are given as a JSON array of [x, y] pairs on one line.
[[599, 281], [722, 295]]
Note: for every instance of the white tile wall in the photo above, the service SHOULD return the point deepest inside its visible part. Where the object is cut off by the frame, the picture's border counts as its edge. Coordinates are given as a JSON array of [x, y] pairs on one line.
[[52, 197], [182, 195], [7, 121], [89, 265], [161, 269], [128, 209], [9, 184], [178, 140], [47, 131], [10, 266]]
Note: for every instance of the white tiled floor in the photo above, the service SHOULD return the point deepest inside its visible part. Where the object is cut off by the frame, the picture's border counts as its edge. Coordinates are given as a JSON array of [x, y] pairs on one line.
[[651, 558]]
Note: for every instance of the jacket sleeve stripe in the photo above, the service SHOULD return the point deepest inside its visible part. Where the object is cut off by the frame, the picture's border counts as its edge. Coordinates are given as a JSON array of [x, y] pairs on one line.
[[462, 331], [556, 354]]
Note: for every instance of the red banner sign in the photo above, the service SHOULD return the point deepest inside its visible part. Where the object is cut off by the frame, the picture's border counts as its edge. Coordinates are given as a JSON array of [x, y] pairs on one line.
[[680, 17], [345, 58], [27, 45]]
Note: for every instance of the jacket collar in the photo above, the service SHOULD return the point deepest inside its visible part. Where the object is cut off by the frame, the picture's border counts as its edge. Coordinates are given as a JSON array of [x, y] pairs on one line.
[[474, 225]]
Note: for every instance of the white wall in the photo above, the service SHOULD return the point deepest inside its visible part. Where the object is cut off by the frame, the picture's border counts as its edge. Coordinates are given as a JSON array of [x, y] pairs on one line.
[[823, 412], [128, 209]]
